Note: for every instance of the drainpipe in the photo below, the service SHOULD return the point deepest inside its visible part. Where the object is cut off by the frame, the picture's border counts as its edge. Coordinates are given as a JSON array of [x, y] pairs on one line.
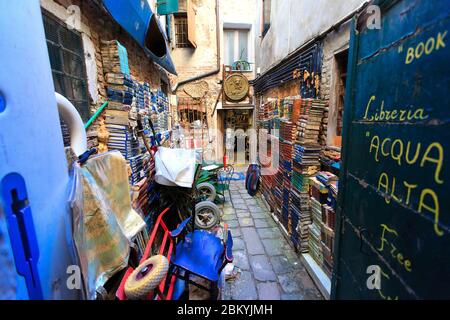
[[210, 73]]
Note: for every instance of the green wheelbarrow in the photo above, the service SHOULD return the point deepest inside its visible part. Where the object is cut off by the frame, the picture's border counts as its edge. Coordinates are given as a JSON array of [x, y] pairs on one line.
[[214, 181]]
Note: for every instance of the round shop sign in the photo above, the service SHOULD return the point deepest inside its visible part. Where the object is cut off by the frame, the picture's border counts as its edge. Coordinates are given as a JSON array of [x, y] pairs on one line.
[[236, 87]]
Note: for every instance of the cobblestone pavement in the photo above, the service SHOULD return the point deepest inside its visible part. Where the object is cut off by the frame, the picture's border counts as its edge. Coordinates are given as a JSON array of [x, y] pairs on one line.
[[270, 268]]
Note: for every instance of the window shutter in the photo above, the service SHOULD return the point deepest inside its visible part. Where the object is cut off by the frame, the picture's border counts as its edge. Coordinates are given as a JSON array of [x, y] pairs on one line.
[[165, 7], [191, 23]]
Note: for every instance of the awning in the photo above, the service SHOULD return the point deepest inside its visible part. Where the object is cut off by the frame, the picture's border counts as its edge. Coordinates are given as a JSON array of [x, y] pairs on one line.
[[137, 18]]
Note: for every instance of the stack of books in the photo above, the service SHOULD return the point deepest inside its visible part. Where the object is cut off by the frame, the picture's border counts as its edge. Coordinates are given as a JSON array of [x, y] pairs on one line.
[[330, 157], [286, 108], [278, 193], [114, 57], [121, 138], [327, 183], [305, 165], [287, 137], [309, 124], [159, 111], [120, 91]]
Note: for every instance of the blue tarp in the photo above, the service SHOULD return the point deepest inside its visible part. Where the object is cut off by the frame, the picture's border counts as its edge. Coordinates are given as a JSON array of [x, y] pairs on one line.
[[137, 18]]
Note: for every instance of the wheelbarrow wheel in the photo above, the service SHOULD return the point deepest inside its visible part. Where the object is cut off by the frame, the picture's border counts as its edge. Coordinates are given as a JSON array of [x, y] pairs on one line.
[[207, 215], [206, 191], [146, 277]]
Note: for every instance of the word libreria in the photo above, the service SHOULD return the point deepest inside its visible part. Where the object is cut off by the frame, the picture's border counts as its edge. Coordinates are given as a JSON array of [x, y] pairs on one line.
[[394, 115]]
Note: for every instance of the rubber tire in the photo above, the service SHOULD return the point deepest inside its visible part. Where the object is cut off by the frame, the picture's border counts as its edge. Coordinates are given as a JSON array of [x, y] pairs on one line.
[[215, 210], [135, 288], [210, 187]]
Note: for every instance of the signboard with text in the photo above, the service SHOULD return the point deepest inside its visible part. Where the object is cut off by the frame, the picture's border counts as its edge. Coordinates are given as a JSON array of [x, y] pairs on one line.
[[393, 238]]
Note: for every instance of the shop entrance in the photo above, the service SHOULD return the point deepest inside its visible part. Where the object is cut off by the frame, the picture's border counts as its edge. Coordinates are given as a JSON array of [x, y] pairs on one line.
[[236, 140]]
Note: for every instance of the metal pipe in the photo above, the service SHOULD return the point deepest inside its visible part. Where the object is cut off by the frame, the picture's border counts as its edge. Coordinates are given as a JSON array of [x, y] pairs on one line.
[[96, 114], [210, 73]]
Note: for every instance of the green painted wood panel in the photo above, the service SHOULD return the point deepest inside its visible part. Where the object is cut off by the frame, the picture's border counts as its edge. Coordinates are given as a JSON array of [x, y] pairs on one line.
[[394, 201], [165, 7]]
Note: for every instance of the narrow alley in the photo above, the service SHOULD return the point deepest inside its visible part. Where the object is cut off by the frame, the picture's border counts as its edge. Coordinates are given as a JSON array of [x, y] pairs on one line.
[[239, 153], [270, 269]]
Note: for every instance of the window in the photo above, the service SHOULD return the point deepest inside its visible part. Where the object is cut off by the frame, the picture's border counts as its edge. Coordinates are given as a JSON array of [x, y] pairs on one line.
[[185, 27], [65, 49], [266, 17], [236, 48], [181, 31]]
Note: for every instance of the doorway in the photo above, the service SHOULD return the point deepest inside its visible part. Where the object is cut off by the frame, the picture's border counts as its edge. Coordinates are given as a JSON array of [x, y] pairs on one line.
[[236, 139], [339, 87]]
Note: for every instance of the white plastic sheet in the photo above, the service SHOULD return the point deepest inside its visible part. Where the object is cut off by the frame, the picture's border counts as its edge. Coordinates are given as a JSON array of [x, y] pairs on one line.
[[175, 167]]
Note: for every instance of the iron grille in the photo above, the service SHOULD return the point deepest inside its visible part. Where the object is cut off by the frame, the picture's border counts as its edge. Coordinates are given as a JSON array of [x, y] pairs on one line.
[[181, 31], [65, 49]]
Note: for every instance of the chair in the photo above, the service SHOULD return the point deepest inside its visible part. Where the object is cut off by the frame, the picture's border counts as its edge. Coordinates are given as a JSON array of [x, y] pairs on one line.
[[201, 254], [224, 176]]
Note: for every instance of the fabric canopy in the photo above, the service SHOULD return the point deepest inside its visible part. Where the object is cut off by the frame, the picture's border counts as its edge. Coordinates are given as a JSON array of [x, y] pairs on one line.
[[137, 18]]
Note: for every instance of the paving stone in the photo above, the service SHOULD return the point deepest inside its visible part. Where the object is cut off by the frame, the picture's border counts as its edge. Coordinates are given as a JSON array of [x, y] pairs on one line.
[[262, 269], [226, 293], [268, 233], [312, 294], [240, 206], [305, 280], [228, 210], [243, 213], [268, 291], [232, 223], [241, 259], [229, 217], [270, 268], [288, 283], [236, 233], [271, 222], [260, 215], [244, 287], [292, 256], [292, 296], [246, 222], [273, 246], [252, 241], [281, 265], [255, 209], [238, 244], [262, 223]]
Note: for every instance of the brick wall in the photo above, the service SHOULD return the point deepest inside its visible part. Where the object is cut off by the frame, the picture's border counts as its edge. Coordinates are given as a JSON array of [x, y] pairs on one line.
[[102, 27]]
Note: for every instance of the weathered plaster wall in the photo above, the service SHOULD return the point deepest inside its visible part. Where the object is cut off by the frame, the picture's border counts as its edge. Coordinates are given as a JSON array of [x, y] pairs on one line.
[[294, 22]]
